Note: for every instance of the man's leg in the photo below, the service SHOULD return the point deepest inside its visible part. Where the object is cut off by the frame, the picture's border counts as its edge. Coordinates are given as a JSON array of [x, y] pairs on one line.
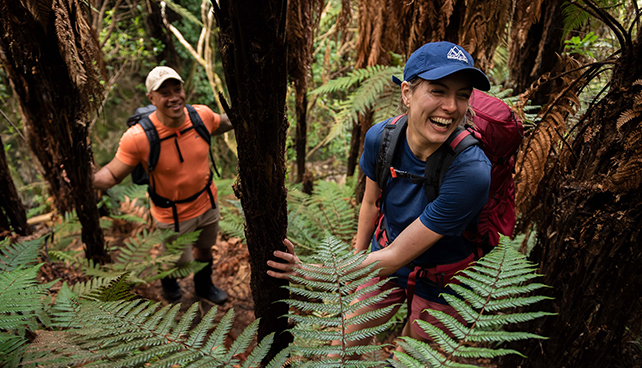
[[203, 286], [171, 288]]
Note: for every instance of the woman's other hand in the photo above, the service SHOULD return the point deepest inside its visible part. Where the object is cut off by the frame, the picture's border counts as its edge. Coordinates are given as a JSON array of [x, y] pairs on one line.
[[289, 266]]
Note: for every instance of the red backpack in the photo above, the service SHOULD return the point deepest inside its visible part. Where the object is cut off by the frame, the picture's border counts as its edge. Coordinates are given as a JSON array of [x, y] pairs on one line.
[[499, 133]]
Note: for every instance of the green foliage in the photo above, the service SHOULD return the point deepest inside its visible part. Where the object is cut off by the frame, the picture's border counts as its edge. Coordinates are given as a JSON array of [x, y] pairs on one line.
[[328, 210], [582, 46], [18, 254], [143, 334], [371, 86], [21, 311], [488, 294], [329, 291]]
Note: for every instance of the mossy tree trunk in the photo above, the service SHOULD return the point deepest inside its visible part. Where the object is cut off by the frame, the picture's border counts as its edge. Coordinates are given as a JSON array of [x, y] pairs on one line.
[[12, 213], [50, 57], [253, 49]]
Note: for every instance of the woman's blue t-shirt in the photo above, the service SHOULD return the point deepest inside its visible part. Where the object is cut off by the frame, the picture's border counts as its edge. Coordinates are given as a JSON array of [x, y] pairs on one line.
[[462, 194]]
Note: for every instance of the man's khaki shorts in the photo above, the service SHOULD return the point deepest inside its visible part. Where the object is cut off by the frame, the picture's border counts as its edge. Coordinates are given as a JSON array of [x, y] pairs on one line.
[[208, 222]]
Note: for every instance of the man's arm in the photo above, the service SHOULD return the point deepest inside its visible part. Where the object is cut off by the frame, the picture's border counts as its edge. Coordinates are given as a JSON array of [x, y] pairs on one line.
[[224, 126], [111, 174]]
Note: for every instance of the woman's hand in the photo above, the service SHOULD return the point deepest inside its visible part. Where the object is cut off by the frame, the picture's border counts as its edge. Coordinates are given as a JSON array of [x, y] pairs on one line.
[[287, 269]]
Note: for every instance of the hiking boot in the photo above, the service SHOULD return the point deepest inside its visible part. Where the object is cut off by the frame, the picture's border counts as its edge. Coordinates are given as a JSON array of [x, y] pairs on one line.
[[171, 289], [204, 287]]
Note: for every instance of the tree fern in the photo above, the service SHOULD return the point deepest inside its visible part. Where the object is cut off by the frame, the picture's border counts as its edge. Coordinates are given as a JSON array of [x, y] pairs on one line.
[[327, 210], [332, 299], [487, 294], [21, 310], [139, 333], [19, 254], [374, 91]]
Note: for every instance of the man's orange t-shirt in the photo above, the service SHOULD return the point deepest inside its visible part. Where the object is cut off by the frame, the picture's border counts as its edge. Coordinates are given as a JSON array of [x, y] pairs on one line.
[[172, 178]]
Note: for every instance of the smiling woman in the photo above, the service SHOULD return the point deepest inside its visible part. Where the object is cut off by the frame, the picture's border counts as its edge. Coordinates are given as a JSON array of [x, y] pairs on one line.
[[403, 228]]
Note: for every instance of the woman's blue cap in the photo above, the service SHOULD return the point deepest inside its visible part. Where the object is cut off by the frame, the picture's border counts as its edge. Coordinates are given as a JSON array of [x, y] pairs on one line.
[[436, 60]]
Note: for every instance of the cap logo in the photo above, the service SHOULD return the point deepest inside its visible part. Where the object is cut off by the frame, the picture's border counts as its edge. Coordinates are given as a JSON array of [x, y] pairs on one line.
[[457, 54], [162, 73]]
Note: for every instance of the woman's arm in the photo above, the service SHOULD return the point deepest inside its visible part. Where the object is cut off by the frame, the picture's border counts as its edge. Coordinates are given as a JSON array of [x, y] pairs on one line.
[[367, 215], [413, 241]]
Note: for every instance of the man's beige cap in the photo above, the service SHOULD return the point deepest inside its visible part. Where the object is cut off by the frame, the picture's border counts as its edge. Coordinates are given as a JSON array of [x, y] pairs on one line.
[[158, 75]]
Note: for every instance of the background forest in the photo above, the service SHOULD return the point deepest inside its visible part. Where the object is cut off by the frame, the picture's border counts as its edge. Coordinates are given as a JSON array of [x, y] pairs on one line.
[[302, 81]]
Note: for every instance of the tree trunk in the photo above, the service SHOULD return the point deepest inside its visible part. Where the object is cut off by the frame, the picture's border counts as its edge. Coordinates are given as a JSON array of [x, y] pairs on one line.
[[534, 45], [590, 239], [11, 209], [49, 55], [253, 49], [300, 36], [301, 129]]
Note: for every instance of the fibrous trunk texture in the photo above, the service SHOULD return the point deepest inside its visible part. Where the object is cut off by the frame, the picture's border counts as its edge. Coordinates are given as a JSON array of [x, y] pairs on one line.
[[303, 18], [534, 44], [50, 57], [589, 233], [253, 49]]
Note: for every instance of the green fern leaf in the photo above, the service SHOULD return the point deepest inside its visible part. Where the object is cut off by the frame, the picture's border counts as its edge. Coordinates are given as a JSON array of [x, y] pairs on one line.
[[18, 254], [496, 283], [331, 286]]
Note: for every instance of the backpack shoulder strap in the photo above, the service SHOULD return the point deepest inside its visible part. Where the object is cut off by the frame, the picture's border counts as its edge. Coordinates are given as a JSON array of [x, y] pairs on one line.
[[198, 125], [439, 162], [387, 148], [154, 142], [201, 129]]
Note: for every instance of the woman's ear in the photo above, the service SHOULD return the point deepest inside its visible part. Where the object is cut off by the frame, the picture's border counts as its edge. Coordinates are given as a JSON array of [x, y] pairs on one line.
[[405, 93]]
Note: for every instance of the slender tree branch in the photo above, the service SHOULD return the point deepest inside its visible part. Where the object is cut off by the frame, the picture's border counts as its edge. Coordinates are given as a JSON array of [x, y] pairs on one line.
[[13, 125]]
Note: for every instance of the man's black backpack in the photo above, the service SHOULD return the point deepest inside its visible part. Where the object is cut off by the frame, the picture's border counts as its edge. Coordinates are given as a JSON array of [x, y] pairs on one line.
[[141, 177]]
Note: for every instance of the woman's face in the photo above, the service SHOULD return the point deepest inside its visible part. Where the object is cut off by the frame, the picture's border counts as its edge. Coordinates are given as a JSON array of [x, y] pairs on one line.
[[435, 109]]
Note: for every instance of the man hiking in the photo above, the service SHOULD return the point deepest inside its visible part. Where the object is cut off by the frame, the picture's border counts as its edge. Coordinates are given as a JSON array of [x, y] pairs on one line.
[[180, 182]]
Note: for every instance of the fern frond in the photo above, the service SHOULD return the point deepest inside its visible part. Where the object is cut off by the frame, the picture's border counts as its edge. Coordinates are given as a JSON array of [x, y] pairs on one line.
[[129, 217], [21, 308], [353, 78], [232, 220], [496, 283], [183, 13], [331, 286], [132, 333], [177, 245], [117, 289], [180, 270], [137, 248], [326, 210], [18, 254]]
